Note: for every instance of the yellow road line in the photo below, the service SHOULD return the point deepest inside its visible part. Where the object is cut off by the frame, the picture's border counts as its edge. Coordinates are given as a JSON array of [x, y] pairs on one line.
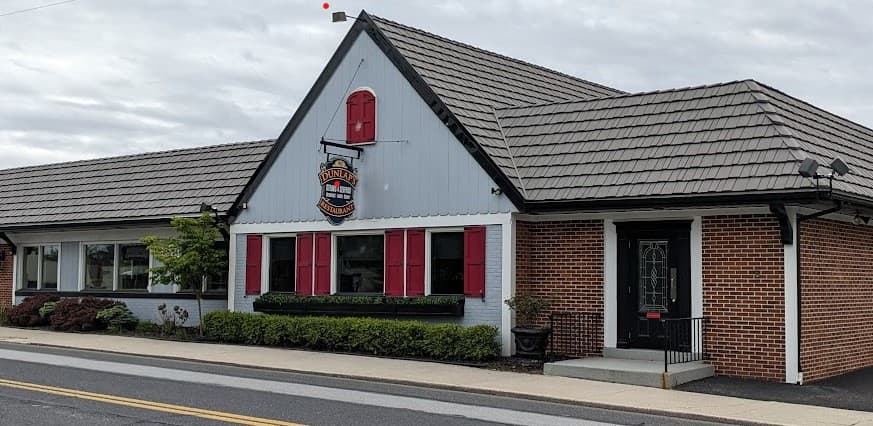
[[148, 405]]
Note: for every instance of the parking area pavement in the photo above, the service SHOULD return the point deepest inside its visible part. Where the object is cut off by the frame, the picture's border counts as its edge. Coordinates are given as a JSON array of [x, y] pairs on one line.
[[852, 391]]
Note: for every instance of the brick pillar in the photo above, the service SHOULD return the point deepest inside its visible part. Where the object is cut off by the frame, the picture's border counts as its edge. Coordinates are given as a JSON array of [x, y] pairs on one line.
[[5, 277]]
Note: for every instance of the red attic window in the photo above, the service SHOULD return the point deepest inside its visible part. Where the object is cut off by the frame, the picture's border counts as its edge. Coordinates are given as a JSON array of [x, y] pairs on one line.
[[361, 117]]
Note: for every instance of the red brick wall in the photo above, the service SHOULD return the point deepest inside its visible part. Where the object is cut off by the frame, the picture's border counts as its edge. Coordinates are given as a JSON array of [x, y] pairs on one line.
[[5, 278], [837, 294], [743, 296], [563, 261]]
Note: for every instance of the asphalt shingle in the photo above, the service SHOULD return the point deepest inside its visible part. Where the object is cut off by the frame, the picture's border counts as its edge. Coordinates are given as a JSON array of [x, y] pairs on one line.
[[145, 186]]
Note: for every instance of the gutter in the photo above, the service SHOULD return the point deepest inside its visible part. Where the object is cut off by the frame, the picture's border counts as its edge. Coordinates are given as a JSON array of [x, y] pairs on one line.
[[838, 205], [9, 242]]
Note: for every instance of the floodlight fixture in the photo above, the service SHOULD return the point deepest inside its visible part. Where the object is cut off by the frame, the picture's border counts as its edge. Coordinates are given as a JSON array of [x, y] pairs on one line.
[[839, 167], [808, 168]]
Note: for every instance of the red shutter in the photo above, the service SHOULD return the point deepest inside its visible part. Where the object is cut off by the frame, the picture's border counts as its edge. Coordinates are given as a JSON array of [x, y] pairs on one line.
[[254, 255], [304, 265], [394, 262], [474, 261], [361, 117], [322, 263], [415, 262]]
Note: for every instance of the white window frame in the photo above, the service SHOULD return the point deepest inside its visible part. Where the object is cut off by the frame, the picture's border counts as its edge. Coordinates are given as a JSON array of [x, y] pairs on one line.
[[427, 257], [39, 283], [334, 285], [115, 260], [265, 260]]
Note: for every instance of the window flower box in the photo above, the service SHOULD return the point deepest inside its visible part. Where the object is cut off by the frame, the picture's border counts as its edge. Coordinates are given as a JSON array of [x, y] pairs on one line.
[[371, 306]]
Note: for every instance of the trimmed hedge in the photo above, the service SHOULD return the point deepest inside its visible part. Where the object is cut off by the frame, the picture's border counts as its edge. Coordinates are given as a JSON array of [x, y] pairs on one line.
[[26, 313], [283, 298], [362, 335]]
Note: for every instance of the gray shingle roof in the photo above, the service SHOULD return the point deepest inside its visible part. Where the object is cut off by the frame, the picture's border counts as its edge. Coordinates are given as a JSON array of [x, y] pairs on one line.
[[472, 82], [144, 186], [734, 137]]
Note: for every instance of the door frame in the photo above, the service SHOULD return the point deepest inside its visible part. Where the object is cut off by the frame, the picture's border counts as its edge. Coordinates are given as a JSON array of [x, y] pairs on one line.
[[610, 268]]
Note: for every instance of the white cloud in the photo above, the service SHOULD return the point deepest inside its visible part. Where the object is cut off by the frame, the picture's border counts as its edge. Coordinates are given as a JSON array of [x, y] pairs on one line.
[[95, 78]]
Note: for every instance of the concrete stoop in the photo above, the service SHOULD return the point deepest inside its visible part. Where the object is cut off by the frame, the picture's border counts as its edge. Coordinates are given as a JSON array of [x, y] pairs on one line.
[[632, 367]]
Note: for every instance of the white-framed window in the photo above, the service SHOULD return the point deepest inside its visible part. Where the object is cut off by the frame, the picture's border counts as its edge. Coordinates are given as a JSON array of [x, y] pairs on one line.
[[114, 266], [40, 267], [281, 263], [359, 262], [444, 261]]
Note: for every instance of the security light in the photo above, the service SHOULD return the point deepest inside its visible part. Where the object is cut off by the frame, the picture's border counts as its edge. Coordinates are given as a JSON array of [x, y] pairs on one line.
[[808, 168], [839, 167], [860, 219], [207, 208]]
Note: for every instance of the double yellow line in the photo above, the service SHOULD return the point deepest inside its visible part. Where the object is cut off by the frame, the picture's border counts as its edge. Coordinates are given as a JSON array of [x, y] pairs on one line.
[[147, 405]]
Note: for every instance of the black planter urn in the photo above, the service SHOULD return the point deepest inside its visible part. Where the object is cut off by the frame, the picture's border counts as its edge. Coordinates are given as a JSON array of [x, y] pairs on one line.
[[531, 342]]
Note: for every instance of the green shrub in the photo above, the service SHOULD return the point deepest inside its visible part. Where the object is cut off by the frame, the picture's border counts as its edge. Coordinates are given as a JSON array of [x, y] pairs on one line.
[[118, 317], [76, 314], [361, 335], [4, 316], [26, 313], [287, 299], [47, 309], [147, 327]]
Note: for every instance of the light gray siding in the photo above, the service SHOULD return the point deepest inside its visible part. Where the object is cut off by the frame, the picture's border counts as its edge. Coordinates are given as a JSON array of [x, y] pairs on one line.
[[241, 302], [69, 266], [417, 169]]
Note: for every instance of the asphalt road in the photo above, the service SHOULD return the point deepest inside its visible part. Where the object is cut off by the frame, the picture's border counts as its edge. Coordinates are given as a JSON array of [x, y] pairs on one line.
[[48, 386]]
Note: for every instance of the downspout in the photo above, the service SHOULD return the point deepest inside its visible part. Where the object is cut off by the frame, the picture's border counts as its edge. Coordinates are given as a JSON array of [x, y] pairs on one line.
[[838, 205]]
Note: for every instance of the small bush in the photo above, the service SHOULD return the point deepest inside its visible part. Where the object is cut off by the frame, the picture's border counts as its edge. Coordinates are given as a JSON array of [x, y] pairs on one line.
[[171, 319], [361, 335], [4, 315], [76, 314], [147, 327], [118, 318], [47, 309], [26, 313]]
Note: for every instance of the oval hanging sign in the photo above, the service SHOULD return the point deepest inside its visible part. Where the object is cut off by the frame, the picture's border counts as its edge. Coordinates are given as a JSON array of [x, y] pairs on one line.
[[338, 181]]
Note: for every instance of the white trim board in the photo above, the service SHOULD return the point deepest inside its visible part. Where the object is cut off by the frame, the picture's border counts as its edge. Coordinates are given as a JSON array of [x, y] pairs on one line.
[[645, 215], [790, 273], [610, 284], [372, 224]]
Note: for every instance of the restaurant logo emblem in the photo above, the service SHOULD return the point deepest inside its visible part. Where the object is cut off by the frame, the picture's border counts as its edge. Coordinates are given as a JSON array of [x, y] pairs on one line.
[[338, 181]]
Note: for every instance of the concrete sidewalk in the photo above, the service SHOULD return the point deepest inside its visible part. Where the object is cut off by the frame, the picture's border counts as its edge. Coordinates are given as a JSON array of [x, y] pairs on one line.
[[566, 390]]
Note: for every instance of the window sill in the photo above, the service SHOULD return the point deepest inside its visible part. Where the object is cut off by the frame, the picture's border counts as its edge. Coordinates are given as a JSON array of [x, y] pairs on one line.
[[128, 294], [362, 309]]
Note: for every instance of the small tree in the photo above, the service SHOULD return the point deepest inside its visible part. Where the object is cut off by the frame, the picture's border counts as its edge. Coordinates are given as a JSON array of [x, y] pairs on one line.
[[188, 258]]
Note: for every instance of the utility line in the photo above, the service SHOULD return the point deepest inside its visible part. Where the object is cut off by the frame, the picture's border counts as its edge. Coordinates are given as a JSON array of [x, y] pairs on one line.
[[343, 96], [35, 8]]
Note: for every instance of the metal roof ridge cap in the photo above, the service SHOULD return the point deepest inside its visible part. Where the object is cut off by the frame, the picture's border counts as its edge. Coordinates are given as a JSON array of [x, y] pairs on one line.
[[511, 156], [769, 112]]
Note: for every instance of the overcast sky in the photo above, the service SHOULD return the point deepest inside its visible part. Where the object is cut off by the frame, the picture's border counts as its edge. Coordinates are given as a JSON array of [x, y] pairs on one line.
[[96, 78]]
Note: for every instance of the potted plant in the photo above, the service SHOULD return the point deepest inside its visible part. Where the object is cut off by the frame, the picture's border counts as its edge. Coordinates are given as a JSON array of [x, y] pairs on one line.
[[530, 339]]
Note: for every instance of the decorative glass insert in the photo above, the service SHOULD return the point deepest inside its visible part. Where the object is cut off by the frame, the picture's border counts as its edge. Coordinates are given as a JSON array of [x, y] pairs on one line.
[[654, 275]]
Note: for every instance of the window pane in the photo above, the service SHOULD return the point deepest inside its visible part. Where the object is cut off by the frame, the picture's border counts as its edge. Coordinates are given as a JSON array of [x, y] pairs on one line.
[[50, 267], [447, 263], [99, 266], [360, 264], [282, 257], [218, 282], [31, 267], [133, 268]]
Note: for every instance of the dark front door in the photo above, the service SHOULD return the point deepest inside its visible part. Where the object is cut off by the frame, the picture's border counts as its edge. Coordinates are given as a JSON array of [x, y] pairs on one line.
[[654, 280]]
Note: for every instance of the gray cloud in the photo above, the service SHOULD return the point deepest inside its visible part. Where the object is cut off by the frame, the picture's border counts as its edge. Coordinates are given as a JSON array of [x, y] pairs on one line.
[[98, 77]]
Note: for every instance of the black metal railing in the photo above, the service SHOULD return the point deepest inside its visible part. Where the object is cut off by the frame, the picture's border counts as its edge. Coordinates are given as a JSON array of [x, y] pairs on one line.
[[575, 334], [683, 340]]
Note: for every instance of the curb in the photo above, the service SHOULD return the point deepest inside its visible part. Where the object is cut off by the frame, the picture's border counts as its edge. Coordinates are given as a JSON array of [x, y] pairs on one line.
[[456, 388]]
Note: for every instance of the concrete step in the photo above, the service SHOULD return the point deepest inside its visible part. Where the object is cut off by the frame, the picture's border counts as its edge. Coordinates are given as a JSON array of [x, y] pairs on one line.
[[630, 371], [638, 354]]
